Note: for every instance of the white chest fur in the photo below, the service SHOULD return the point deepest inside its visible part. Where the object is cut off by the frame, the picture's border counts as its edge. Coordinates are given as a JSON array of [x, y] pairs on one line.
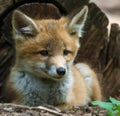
[[37, 91]]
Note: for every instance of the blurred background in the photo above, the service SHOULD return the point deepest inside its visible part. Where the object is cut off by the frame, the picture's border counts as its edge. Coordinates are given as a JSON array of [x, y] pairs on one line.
[[111, 9]]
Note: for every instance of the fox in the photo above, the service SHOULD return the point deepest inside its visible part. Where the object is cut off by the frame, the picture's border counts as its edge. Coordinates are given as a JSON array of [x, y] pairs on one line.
[[44, 72]]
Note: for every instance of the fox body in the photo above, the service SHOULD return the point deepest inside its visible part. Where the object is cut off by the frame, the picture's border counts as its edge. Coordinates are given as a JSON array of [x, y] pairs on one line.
[[44, 72]]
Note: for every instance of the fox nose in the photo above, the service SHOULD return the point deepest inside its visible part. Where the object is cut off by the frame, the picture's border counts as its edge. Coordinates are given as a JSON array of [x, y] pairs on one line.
[[61, 71]]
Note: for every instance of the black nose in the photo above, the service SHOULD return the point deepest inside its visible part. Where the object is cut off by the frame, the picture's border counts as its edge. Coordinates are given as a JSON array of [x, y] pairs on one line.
[[61, 71]]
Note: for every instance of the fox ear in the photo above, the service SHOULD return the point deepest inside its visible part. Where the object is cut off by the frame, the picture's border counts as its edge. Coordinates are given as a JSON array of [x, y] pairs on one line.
[[78, 21], [23, 25]]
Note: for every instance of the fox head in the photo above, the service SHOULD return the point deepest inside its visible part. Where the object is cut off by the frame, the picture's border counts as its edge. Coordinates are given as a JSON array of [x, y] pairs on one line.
[[47, 47]]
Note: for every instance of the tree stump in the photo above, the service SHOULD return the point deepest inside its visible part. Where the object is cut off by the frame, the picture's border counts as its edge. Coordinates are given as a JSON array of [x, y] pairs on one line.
[[111, 72]]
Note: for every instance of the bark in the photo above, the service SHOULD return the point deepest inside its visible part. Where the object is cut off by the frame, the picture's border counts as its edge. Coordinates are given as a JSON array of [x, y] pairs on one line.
[[111, 71]]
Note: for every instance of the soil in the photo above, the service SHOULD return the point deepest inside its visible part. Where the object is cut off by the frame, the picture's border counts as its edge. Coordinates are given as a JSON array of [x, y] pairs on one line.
[[20, 110]]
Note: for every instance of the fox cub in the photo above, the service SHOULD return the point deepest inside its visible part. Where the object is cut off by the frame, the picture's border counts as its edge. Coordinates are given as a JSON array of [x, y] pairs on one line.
[[44, 72]]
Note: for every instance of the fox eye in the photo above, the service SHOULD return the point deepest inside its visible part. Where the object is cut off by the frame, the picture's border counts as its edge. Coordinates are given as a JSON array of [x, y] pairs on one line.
[[66, 52], [73, 33], [44, 53]]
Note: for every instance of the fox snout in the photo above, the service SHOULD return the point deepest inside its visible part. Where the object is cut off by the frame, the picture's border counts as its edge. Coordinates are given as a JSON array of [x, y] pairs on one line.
[[55, 67], [56, 72]]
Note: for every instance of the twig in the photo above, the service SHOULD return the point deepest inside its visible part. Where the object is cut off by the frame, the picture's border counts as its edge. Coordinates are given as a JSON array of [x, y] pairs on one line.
[[14, 107]]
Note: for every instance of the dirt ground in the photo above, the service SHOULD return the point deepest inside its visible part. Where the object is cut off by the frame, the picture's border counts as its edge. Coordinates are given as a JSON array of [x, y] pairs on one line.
[[19, 110]]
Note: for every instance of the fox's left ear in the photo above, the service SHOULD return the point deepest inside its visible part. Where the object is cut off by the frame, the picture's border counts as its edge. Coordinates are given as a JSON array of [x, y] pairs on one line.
[[78, 21]]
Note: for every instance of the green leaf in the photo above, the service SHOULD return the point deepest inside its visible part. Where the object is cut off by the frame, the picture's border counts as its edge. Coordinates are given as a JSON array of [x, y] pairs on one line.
[[111, 113], [118, 109], [107, 105], [114, 101]]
